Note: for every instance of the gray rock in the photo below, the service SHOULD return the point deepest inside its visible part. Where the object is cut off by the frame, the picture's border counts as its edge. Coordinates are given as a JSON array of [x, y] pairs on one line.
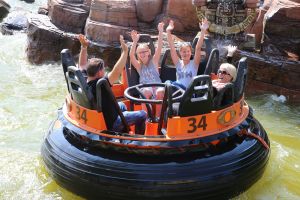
[[4, 9], [45, 40], [15, 21]]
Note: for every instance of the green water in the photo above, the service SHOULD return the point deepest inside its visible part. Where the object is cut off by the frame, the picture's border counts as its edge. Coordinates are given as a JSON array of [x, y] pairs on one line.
[[30, 95]]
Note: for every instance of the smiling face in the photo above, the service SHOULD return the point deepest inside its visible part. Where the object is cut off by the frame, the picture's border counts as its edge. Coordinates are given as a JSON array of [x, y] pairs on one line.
[[185, 52], [223, 75], [143, 53]]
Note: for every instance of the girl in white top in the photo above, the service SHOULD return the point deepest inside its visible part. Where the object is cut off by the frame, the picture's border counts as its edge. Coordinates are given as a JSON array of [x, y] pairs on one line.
[[147, 65], [186, 69]]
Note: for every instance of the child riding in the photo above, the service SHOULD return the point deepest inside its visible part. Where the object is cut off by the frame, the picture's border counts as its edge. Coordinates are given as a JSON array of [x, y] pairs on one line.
[[186, 68], [147, 65]]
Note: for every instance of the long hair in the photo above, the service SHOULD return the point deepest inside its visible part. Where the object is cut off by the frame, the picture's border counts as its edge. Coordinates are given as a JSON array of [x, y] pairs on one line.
[[146, 46]]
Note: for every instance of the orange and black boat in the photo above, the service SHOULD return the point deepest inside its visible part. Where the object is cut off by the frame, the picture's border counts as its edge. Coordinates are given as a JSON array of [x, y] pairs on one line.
[[204, 145]]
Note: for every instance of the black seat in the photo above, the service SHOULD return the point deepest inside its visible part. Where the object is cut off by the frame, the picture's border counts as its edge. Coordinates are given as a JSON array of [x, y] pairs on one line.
[[212, 65], [224, 97], [208, 48], [167, 72], [241, 78], [66, 61], [103, 90], [79, 89], [196, 100]]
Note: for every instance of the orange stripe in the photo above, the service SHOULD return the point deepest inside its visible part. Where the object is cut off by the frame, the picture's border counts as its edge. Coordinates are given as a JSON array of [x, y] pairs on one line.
[[178, 128]]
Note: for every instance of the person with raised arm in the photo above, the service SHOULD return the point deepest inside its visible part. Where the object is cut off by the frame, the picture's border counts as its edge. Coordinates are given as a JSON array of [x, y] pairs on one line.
[[94, 69], [186, 68], [147, 65]]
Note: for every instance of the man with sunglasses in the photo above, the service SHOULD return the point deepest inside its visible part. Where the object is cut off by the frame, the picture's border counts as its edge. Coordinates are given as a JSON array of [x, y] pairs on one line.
[[226, 74], [94, 69]]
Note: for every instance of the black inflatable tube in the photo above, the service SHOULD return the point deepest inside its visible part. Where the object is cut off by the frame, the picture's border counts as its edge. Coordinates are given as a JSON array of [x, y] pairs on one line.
[[112, 175]]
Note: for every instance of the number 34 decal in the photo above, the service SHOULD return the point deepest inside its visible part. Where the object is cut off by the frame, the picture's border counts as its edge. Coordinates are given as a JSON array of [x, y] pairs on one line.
[[194, 124], [81, 114]]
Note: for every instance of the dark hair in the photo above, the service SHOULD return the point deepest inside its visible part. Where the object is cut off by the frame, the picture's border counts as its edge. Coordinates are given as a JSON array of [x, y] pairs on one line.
[[94, 65]]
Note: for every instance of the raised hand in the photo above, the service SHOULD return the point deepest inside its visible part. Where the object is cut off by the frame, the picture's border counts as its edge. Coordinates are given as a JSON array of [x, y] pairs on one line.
[[160, 27], [204, 25], [135, 36], [170, 26], [123, 44], [231, 49], [83, 40]]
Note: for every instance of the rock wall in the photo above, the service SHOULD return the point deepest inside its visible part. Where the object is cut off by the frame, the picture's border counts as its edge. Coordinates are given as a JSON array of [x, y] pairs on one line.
[[282, 30], [108, 19], [68, 15], [45, 41], [102, 21]]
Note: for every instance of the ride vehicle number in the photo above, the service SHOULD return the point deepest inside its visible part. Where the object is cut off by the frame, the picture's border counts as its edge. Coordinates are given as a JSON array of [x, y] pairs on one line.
[[195, 125], [81, 114]]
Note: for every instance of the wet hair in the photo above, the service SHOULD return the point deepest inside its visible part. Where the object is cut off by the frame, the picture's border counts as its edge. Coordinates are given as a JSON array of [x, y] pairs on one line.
[[94, 66], [184, 44]]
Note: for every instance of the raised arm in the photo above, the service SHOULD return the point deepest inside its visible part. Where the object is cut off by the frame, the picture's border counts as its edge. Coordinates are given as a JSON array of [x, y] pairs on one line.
[[83, 57], [173, 52], [203, 27], [135, 38], [230, 51], [114, 75], [156, 56]]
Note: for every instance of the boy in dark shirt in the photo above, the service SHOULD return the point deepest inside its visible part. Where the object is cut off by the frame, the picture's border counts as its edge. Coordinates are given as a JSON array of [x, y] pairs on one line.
[[94, 69]]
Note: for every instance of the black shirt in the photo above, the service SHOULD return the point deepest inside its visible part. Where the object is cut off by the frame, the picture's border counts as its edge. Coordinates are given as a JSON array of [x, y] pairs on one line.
[[107, 102]]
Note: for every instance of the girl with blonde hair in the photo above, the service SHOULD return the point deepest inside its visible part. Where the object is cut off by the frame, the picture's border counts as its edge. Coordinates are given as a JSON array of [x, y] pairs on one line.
[[147, 65], [186, 68]]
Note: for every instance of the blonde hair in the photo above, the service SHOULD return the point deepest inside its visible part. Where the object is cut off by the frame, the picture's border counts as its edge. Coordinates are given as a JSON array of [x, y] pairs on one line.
[[184, 44], [230, 69]]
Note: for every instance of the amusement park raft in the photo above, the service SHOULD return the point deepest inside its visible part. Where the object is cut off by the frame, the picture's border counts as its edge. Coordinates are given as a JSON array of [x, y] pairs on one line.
[[207, 146]]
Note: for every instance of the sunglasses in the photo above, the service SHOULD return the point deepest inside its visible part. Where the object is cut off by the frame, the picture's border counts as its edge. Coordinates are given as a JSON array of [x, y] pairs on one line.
[[223, 72]]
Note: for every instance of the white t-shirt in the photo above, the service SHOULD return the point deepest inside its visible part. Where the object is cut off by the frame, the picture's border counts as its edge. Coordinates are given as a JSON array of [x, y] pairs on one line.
[[185, 74]]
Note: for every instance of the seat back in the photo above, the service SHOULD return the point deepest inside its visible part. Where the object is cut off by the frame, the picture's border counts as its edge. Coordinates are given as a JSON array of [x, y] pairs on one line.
[[167, 72], [79, 89], [197, 98], [224, 97], [103, 90], [212, 65], [133, 76], [207, 46], [66, 61], [241, 78]]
